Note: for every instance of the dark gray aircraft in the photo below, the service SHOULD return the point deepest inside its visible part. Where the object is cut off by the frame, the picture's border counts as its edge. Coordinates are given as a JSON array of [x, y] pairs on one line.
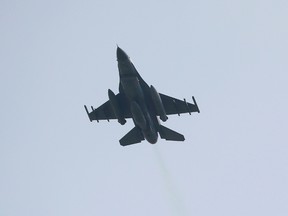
[[143, 104]]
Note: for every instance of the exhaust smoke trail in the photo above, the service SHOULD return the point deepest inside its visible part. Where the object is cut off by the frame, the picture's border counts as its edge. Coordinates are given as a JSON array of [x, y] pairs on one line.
[[176, 202]]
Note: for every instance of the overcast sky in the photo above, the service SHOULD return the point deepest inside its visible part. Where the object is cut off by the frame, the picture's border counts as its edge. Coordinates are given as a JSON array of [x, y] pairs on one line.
[[56, 56]]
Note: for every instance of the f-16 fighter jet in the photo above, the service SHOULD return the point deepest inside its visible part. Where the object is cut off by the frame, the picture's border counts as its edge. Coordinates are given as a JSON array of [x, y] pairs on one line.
[[141, 102]]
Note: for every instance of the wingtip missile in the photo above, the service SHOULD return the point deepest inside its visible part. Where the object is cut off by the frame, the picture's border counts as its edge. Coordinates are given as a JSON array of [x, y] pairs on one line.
[[196, 104], [87, 113]]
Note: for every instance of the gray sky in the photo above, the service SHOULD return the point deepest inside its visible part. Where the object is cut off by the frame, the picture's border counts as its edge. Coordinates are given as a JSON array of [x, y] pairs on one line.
[[56, 56]]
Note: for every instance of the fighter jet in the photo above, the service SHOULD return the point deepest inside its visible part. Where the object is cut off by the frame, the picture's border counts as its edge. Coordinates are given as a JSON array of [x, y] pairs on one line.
[[141, 102]]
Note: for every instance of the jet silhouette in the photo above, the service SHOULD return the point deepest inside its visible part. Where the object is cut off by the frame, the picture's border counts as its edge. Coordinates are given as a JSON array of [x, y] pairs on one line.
[[141, 102]]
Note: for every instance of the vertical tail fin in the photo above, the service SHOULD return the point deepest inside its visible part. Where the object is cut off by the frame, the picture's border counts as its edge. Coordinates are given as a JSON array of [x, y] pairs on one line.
[[168, 134]]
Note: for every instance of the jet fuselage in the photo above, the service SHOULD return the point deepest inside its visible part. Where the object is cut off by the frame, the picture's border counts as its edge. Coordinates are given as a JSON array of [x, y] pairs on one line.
[[138, 95]]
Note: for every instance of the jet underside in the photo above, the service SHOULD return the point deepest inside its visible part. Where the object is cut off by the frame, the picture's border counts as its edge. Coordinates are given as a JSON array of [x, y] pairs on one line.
[[143, 104]]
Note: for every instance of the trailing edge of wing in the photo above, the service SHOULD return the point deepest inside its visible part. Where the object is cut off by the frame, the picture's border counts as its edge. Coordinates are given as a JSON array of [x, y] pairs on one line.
[[176, 106], [105, 111]]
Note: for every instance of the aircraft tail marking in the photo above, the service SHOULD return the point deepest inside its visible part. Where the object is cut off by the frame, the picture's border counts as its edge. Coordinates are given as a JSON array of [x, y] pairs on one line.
[[168, 134]]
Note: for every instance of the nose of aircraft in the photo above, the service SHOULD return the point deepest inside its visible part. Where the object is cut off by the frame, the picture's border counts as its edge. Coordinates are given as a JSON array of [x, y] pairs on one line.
[[121, 55]]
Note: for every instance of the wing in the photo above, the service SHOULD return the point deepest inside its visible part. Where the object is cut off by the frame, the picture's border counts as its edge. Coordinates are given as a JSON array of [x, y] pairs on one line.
[[106, 112], [176, 106]]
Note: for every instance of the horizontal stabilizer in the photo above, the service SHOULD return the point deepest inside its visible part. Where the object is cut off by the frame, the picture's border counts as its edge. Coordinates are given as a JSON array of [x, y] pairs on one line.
[[168, 134], [132, 137]]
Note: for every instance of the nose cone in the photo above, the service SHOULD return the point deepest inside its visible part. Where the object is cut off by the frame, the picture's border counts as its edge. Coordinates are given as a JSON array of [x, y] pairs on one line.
[[121, 55]]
